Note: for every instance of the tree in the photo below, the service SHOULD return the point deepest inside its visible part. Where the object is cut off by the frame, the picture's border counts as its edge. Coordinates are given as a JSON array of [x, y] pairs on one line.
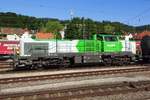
[[90, 28], [52, 26], [80, 28], [74, 29], [77, 28], [108, 28]]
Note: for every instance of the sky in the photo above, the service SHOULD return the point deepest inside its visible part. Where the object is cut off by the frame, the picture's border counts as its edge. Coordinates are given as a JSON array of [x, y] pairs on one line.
[[132, 12]]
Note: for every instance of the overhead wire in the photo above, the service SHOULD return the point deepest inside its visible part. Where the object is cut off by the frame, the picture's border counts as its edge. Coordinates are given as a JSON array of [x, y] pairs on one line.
[[138, 16]]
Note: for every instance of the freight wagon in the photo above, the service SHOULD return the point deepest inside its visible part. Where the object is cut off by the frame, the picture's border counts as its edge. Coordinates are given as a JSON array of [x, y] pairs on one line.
[[8, 48], [101, 49], [145, 46]]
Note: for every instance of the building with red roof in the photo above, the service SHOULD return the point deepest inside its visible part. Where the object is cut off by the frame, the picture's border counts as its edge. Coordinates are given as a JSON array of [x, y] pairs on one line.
[[8, 30], [41, 35], [139, 36]]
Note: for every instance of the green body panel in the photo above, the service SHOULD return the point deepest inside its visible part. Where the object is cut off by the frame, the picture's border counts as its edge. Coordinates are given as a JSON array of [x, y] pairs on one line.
[[100, 44], [112, 46], [89, 46]]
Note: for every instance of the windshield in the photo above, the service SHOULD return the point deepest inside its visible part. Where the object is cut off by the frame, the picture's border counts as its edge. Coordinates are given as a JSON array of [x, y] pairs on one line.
[[110, 38]]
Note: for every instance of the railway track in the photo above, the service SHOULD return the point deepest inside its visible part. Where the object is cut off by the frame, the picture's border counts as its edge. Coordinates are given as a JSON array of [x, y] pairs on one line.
[[5, 64], [70, 75], [81, 92]]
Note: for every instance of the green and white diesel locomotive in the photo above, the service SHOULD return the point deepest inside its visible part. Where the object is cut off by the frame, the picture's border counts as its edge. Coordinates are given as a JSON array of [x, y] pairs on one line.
[[100, 49]]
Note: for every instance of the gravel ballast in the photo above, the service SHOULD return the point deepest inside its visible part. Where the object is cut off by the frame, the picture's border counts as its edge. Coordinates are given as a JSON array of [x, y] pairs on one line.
[[72, 84]]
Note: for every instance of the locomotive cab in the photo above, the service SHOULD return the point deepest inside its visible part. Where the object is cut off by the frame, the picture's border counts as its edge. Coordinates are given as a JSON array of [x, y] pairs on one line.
[[110, 43]]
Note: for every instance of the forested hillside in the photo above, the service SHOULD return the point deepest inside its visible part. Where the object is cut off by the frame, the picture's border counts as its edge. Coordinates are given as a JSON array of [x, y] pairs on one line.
[[10, 19], [75, 28]]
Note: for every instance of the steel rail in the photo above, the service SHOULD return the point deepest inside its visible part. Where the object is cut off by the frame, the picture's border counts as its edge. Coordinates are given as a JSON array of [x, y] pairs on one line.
[[81, 92], [70, 75]]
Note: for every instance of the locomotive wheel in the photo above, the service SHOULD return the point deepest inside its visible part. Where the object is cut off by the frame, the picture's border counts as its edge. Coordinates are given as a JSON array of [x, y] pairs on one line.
[[32, 67], [107, 61], [128, 61], [36, 67], [65, 63], [117, 62], [120, 63]]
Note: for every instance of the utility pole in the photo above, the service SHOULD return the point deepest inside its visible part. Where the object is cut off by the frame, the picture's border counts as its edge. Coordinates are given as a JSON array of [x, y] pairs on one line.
[[71, 14], [83, 28]]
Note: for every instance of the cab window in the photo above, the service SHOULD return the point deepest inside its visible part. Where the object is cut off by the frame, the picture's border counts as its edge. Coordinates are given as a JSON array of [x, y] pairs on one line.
[[100, 38], [110, 38]]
